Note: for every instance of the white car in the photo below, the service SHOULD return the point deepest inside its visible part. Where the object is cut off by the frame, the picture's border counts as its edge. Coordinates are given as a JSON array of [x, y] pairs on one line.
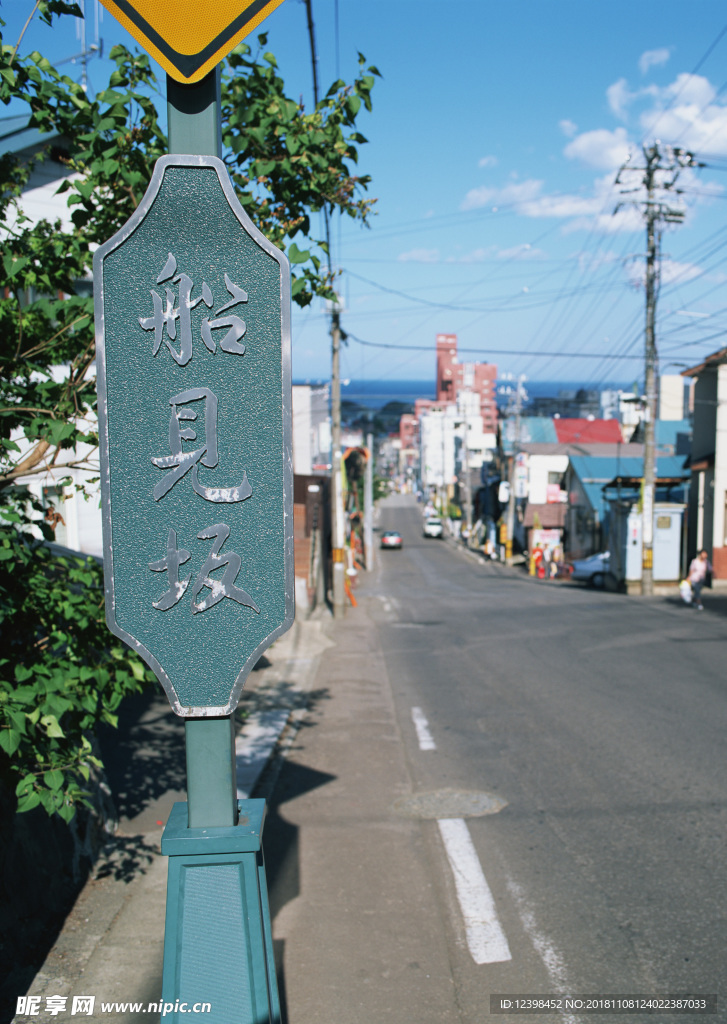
[[433, 527], [593, 570]]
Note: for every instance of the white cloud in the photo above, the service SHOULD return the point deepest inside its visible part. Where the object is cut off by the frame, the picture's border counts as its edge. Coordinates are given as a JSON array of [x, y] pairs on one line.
[[593, 212], [562, 206], [601, 148], [691, 89], [619, 97], [653, 58], [476, 256], [696, 120], [487, 161], [419, 256], [513, 194], [582, 211], [671, 272], [590, 261], [521, 252], [525, 251], [687, 112], [628, 219]]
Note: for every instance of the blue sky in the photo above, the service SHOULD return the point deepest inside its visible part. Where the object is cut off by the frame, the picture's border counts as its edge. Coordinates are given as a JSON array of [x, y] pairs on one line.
[[494, 142]]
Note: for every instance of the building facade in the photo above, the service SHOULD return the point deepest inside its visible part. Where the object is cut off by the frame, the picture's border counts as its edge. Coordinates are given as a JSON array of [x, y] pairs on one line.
[[454, 376], [708, 490]]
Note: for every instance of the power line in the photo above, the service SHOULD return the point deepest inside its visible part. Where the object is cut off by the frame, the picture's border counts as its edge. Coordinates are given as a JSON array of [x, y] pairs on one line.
[[485, 352]]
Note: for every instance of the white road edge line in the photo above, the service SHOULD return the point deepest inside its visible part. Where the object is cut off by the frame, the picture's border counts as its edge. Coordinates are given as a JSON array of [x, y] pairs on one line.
[[485, 938], [551, 957], [426, 740]]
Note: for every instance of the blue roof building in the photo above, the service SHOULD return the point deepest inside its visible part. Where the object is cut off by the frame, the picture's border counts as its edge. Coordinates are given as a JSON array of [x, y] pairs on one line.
[[592, 480]]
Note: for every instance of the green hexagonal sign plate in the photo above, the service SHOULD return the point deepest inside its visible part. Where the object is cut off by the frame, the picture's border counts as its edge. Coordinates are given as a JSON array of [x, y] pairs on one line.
[[193, 366]]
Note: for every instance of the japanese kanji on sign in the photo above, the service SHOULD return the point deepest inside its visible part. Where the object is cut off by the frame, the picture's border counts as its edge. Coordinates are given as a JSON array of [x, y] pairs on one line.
[[193, 350]]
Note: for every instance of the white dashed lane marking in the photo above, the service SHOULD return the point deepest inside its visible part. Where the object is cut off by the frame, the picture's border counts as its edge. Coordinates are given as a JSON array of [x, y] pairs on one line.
[[426, 741], [485, 938]]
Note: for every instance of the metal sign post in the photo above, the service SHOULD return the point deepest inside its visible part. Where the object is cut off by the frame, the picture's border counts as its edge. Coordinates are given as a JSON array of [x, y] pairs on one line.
[[194, 381]]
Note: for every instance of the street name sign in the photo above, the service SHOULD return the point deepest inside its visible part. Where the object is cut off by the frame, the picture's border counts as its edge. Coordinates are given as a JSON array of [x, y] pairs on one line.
[[189, 37], [192, 309]]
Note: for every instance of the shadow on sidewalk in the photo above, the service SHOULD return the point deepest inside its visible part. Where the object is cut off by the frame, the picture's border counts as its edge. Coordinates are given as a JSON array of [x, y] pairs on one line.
[[281, 848], [144, 757]]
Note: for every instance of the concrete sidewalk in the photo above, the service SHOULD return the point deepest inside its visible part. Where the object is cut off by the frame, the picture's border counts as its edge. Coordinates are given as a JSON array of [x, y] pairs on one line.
[[356, 906]]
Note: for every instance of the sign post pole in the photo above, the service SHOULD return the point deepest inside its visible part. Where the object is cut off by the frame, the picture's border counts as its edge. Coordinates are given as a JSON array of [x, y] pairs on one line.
[[193, 113], [195, 432]]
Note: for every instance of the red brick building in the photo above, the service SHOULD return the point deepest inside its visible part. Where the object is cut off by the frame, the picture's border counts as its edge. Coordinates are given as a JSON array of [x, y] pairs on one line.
[[409, 431], [454, 376]]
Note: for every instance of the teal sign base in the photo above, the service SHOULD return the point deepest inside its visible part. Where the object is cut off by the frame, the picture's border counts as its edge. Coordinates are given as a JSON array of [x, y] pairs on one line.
[[218, 946]]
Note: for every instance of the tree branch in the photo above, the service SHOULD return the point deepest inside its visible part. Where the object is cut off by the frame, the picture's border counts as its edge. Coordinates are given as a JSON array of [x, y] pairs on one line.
[[34, 470]]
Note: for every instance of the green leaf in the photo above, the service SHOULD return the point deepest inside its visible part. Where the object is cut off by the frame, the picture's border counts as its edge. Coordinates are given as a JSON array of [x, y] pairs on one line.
[[28, 801], [66, 811], [138, 670], [26, 784], [9, 740], [54, 779], [295, 255], [51, 726]]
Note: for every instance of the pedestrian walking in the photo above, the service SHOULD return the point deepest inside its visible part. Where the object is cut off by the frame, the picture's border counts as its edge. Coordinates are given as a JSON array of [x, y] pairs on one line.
[[697, 577]]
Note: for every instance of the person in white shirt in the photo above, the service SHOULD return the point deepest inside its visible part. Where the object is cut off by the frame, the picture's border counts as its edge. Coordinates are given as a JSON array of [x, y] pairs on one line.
[[697, 577]]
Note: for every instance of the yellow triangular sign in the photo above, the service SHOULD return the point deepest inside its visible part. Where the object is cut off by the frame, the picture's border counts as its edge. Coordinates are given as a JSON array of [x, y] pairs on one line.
[[189, 37]]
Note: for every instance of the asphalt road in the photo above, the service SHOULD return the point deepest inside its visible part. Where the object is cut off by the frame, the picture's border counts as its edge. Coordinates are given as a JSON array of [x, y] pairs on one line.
[[597, 722]]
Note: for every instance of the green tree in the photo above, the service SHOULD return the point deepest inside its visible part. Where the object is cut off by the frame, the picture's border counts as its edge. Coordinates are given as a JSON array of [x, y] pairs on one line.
[[61, 671]]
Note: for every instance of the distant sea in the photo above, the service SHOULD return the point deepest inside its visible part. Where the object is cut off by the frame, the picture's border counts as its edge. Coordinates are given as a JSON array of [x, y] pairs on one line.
[[374, 394]]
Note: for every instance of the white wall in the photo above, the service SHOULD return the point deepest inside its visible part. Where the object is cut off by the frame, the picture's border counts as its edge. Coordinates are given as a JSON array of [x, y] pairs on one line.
[[302, 430], [539, 466], [671, 397], [720, 460]]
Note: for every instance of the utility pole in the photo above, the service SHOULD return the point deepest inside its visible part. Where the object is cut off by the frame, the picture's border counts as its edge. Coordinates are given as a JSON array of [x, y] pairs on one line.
[[338, 578], [443, 491], [337, 528], [660, 172], [510, 521], [467, 484], [369, 505]]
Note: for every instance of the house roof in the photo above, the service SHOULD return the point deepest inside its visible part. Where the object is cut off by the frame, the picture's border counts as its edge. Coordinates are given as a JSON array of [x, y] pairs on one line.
[[596, 473], [537, 430], [533, 430], [583, 431], [598, 450], [17, 137], [715, 359]]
